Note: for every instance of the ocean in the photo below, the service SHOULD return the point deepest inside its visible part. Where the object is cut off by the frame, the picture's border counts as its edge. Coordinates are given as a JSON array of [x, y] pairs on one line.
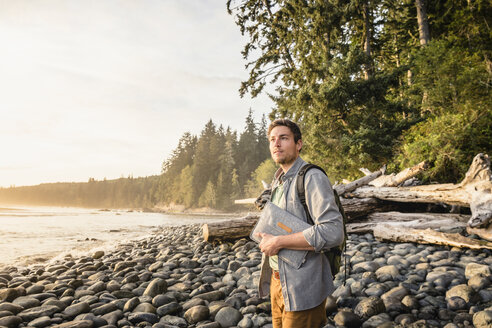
[[30, 235]]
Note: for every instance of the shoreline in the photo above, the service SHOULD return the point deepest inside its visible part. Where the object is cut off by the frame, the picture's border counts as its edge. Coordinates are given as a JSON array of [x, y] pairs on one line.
[[173, 278]]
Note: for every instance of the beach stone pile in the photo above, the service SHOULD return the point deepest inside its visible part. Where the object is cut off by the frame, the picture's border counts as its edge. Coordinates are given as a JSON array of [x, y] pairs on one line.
[[175, 279]]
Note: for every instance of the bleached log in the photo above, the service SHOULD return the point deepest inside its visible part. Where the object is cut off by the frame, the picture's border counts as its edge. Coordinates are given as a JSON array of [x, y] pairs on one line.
[[245, 201], [428, 236], [409, 220], [343, 188], [475, 191], [229, 229], [393, 180]]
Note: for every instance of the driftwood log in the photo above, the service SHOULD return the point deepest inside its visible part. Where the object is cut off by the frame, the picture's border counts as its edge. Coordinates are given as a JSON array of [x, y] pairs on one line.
[[441, 221], [475, 191], [229, 229], [428, 236], [394, 180]]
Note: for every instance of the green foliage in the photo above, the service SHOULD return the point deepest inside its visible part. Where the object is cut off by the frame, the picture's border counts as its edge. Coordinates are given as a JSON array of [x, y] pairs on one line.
[[459, 111], [354, 75], [264, 172]]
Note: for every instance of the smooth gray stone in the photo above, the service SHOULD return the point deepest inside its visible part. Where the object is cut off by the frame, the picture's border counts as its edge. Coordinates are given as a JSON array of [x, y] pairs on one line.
[[9, 294], [103, 309], [113, 317], [83, 292], [193, 302], [456, 303], [464, 291], [376, 321], [215, 306], [161, 300], [144, 308], [175, 321], [365, 266], [40, 322], [123, 294], [196, 314], [98, 287], [369, 307], [156, 287], [479, 282], [39, 311], [137, 317], [211, 296], [131, 304], [131, 278], [123, 265], [5, 314], [76, 324], [27, 302], [482, 319], [54, 301], [405, 319], [76, 309], [245, 322], [473, 269], [97, 321], [113, 286], [10, 321], [14, 308], [35, 289], [168, 309], [228, 317], [347, 319]]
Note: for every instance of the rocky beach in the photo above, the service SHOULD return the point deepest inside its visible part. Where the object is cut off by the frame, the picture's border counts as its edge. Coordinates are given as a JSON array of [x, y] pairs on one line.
[[174, 279]]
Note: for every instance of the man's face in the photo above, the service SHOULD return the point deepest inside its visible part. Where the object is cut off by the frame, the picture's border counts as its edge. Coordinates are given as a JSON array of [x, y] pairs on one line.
[[283, 148]]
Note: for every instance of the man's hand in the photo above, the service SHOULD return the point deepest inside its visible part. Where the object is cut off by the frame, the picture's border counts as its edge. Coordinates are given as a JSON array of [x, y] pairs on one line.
[[269, 244], [265, 196]]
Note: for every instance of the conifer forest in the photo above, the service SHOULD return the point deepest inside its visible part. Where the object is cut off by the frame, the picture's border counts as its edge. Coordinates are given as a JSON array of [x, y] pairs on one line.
[[391, 82]]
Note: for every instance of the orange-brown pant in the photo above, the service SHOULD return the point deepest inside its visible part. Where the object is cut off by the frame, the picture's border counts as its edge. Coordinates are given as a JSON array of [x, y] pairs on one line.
[[311, 318]]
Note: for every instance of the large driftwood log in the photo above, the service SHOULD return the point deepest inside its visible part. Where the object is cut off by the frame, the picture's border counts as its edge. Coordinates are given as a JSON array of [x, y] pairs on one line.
[[428, 236], [475, 191], [229, 229], [393, 180], [443, 221]]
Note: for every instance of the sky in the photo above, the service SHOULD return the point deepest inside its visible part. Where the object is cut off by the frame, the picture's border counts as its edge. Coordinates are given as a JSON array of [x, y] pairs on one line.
[[105, 88]]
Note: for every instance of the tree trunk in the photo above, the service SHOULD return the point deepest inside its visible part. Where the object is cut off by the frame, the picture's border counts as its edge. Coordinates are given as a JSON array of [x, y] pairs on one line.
[[367, 40], [424, 34], [428, 236]]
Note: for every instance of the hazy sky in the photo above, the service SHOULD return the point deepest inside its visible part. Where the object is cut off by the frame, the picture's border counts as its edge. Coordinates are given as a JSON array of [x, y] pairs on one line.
[[105, 88]]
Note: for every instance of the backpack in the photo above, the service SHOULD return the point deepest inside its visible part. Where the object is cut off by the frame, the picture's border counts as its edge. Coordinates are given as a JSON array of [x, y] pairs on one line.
[[334, 255]]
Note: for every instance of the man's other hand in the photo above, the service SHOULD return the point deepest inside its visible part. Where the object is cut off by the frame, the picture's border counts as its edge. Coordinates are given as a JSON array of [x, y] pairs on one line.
[[269, 244], [265, 196]]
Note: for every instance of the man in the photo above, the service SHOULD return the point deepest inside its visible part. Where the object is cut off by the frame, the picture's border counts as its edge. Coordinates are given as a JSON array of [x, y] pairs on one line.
[[298, 295]]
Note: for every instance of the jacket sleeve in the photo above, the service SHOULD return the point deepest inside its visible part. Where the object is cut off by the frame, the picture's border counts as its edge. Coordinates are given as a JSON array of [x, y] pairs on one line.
[[327, 231]]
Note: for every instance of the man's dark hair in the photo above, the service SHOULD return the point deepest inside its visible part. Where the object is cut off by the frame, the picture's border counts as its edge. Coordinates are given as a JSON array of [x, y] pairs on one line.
[[293, 127]]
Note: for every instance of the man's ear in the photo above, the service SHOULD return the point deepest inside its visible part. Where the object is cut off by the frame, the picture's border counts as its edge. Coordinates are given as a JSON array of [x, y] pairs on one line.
[[299, 145]]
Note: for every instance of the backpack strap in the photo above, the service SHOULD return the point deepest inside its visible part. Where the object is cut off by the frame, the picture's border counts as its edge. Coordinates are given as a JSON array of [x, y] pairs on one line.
[[301, 190]]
